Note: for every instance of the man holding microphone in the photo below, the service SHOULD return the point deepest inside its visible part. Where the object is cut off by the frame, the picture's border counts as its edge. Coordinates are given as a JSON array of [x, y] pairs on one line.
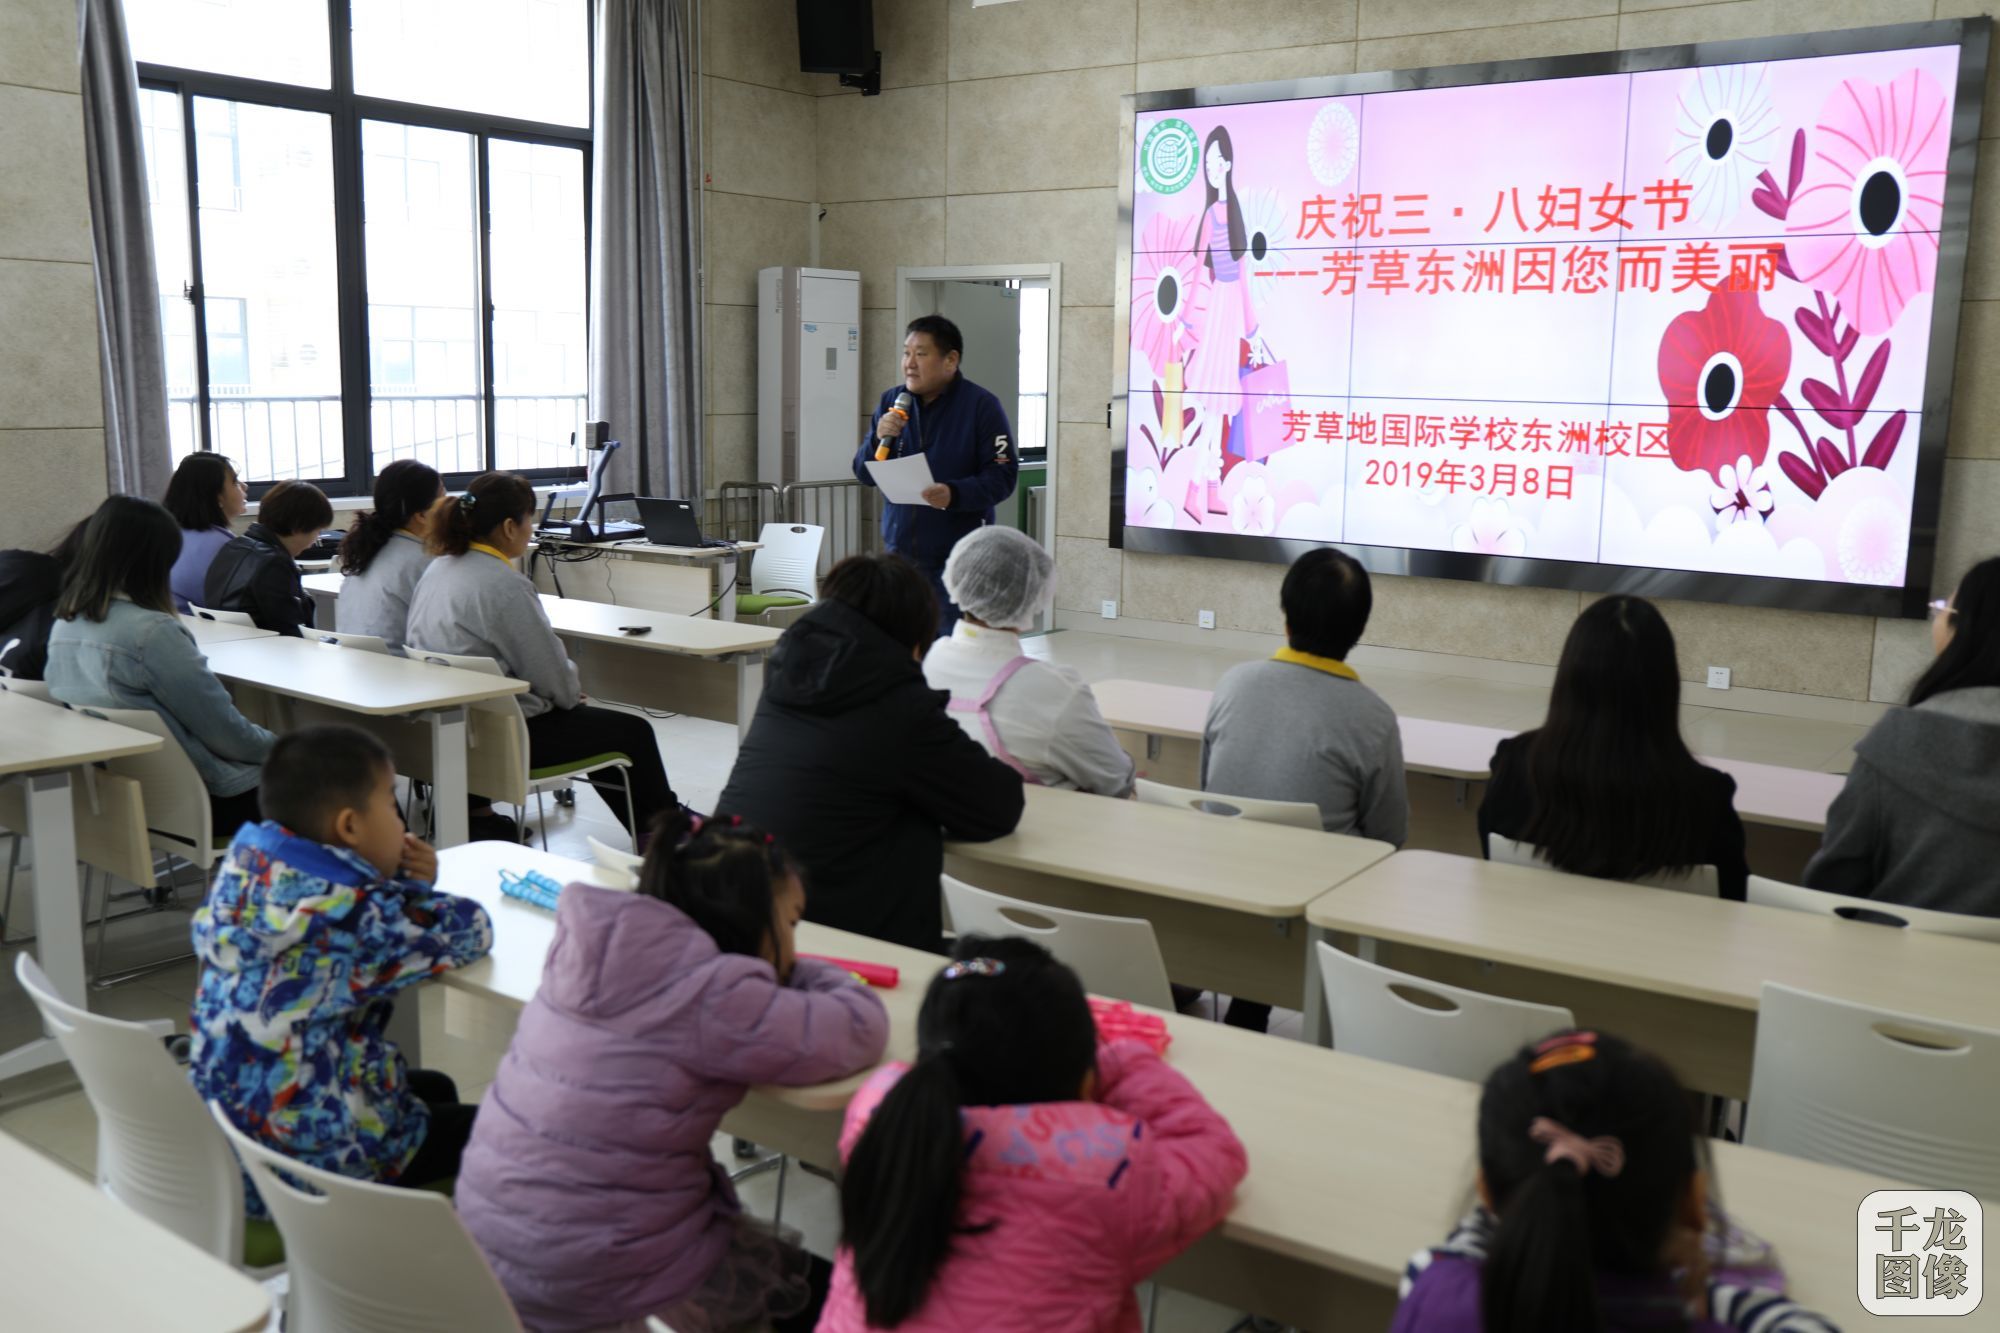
[[962, 431]]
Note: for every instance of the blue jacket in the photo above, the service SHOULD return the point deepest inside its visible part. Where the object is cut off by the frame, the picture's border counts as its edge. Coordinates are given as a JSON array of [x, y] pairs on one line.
[[971, 449], [302, 946], [135, 658]]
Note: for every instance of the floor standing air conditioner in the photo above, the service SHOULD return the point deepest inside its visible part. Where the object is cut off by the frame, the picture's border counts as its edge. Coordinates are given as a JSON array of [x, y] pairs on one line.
[[808, 374]]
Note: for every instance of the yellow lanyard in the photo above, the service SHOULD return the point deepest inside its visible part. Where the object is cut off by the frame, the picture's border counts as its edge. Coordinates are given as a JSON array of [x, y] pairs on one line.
[[1332, 666]]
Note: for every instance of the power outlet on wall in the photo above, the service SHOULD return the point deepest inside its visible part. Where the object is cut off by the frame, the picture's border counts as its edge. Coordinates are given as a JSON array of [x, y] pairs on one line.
[[1206, 619], [1110, 609], [1718, 678]]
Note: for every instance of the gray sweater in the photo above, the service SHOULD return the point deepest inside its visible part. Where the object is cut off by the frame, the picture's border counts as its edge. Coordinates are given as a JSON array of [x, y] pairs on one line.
[[1918, 822], [1278, 731], [377, 600], [479, 605]]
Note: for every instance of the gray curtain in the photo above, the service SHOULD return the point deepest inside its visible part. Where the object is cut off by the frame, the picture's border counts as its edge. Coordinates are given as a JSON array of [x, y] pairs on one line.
[[137, 456], [645, 312]]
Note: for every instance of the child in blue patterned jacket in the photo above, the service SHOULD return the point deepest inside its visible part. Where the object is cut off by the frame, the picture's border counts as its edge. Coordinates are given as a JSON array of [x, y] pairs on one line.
[[318, 916]]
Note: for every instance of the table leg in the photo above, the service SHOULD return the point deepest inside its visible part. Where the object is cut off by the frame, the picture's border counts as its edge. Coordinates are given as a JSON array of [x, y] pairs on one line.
[[406, 1026], [725, 577], [1313, 1027], [58, 923], [448, 780], [749, 689]]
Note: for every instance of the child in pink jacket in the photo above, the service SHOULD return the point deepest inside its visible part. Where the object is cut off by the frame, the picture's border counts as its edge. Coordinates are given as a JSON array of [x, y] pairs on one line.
[[589, 1183], [1018, 1176]]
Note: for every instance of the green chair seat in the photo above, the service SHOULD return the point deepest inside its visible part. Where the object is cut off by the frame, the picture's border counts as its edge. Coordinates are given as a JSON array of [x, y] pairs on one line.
[[595, 761], [757, 603], [263, 1247]]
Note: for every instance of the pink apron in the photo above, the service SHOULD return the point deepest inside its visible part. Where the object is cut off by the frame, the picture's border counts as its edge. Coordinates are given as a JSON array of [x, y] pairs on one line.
[[981, 708]]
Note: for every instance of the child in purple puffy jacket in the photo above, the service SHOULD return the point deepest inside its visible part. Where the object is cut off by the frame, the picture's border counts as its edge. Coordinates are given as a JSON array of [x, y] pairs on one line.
[[1594, 1212], [589, 1182]]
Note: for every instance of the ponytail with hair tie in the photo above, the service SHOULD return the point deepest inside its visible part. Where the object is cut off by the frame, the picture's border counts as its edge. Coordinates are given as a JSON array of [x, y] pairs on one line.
[[1003, 1024], [1586, 1153]]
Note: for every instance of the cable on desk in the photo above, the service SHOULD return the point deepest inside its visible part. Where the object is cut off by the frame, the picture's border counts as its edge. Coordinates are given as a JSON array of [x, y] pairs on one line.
[[718, 598]]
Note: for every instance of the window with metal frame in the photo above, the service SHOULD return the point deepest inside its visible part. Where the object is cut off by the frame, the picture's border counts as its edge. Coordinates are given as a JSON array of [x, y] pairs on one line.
[[372, 243]]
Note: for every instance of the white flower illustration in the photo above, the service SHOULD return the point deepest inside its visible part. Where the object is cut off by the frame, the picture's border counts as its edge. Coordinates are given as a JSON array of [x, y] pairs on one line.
[[1726, 133], [1268, 233], [1745, 493], [1254, 509], [1333, 144], [1490, 529]]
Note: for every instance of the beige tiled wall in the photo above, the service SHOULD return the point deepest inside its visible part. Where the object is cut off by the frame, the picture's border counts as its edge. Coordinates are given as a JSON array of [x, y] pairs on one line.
[[998, 144], [51, 406], [760, 144]]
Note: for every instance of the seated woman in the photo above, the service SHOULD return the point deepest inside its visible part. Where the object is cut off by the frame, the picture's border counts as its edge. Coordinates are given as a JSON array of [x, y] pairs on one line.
[[117, 643], [1038, 718], [205, 497], [1606, 786], [854, 764], [259, 571], [383, 554], [473, 601], [1918, 822]]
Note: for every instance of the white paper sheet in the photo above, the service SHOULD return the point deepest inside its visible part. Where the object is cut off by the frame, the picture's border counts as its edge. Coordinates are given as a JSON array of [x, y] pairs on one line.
[[902, 479]]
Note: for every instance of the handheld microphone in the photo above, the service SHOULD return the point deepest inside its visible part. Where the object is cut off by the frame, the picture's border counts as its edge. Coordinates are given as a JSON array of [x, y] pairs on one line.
[[886, 444]]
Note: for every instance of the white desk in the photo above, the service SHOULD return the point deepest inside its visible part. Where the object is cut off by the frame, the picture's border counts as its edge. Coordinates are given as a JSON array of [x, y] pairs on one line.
[[1226, 897], [74, 1260], [1354, 1164], [41, 745], [375, 685], [686, 664], [1677, 973], [214, 631], [683, 580], [1783, 809], [1765, 793]]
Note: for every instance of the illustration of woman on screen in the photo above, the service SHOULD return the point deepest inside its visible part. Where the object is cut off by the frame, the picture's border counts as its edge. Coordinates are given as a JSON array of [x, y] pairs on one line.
[[1230, 349]]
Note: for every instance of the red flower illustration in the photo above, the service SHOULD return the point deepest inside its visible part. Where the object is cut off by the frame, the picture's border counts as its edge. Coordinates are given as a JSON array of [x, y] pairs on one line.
[[1721, 368]]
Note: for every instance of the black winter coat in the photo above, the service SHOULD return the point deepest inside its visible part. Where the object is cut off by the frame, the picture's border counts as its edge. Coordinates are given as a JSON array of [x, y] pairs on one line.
[[856, 767], [30, 582], [255, 573]]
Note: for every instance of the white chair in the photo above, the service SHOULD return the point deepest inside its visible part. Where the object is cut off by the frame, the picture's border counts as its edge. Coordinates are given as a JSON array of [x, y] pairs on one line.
[[1299, 814], [179, 822], [368, 1258], [1701, 881], [157, 1150], [1773, 893], [538, 781], [1118, 956], [1897, 1095], [221, 617], [616, 862], [1464, 1035], [366, 643], [785, 572]]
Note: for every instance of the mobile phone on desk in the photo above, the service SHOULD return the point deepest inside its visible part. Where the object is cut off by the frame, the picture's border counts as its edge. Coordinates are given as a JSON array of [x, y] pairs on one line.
[[635, 629]]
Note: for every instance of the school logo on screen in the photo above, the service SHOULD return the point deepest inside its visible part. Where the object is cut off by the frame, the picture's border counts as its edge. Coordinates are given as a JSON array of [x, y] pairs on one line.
[[1169, 156]]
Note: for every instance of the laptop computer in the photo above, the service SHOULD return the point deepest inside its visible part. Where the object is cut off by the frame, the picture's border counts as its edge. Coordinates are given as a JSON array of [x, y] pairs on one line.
[[672, 522]]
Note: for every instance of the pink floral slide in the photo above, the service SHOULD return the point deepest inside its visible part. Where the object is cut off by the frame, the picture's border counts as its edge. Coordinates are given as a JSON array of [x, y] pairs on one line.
[[1676, 319]]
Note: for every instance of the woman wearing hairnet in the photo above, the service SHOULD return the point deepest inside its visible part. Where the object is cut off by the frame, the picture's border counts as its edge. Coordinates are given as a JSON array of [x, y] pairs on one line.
[[1035, 716]]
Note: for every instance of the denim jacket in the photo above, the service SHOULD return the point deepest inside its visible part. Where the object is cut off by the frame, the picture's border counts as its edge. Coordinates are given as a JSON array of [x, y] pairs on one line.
[[135, 658]]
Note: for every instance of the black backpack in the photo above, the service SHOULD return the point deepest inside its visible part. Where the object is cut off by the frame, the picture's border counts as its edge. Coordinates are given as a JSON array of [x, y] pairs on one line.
[[30, 581]]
